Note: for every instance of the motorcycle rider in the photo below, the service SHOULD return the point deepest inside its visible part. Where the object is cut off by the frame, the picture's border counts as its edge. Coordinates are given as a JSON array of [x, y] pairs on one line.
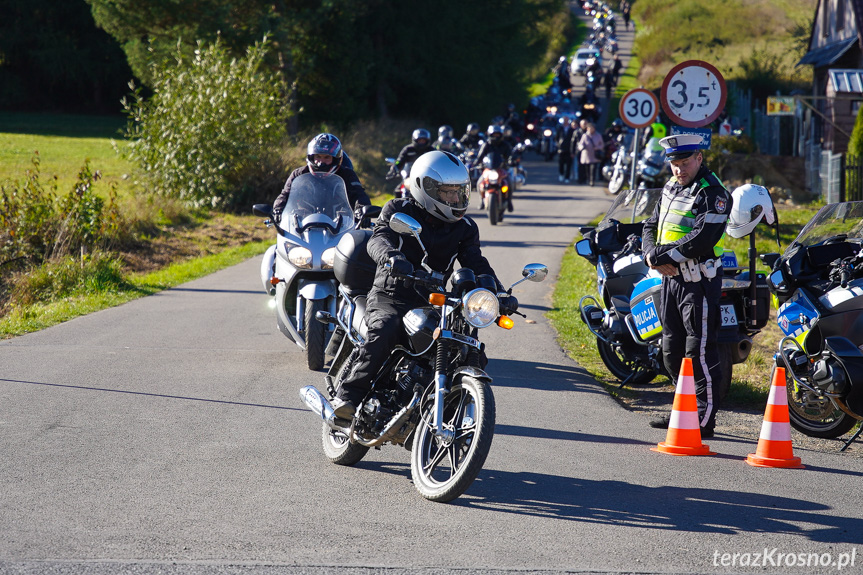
[[445, 141], [471, 139], [439, 197], [495, 143], [683, 241], [420, 144], [324, 155]]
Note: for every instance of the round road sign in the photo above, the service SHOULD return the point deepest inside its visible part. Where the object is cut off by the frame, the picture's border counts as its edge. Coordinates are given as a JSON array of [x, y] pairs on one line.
[[693, 94], [638, 108]]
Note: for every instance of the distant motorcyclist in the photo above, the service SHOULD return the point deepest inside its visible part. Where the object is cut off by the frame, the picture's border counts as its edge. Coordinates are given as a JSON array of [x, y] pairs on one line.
[[497, 144], [511, 120], [471, 139], [561, 70], [445, 141], [420, 144], [324, 155]]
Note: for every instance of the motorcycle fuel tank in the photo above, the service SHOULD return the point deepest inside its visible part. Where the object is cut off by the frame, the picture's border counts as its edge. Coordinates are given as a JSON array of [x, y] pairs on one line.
[[420, 324]]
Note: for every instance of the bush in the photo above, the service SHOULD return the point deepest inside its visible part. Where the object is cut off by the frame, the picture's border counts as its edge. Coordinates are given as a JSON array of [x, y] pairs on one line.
[[66, 277], [210, 133]]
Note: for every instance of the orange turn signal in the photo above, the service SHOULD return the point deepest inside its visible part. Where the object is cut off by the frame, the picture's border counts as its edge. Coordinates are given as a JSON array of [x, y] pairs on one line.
[[505, 189], [274, 280], [505, 322], [437, 299]]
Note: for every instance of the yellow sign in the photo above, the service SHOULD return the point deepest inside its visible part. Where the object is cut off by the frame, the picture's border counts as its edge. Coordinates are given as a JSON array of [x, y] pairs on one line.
[[781, 105]]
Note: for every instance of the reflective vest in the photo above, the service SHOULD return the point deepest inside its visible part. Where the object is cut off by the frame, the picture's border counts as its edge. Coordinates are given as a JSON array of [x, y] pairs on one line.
[[676, 217]]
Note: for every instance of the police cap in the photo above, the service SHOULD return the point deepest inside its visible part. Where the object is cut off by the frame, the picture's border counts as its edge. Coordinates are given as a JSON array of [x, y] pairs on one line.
[[681, 146]]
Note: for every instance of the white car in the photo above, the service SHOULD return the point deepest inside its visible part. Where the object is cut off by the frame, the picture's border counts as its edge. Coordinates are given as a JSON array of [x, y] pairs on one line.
[[580, 61]]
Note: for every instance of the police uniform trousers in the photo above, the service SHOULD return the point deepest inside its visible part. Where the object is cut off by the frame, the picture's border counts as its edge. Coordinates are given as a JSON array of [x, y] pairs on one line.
[[384, 314], [690, 327]]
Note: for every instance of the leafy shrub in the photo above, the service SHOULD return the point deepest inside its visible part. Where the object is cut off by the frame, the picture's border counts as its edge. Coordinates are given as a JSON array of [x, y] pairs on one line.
[[66, 277], [210, 132]]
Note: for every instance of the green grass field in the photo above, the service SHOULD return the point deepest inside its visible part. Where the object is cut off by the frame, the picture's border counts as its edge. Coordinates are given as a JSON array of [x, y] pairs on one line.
[[64, 142]]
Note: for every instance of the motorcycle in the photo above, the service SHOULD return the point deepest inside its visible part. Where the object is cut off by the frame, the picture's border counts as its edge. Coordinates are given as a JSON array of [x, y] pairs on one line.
[[468, 157], [618, 165], [652, 170], [401, 190], [547, 145], [517, 173], [493, 187], [298, 269], [431, 395], [818, 285], [626, 322]]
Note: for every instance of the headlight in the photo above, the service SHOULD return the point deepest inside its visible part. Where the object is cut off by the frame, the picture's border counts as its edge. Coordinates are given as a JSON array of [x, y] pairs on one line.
[[328, 258], [547, 133], [493, 177], [480, 307], [530, 126], [299, 256]]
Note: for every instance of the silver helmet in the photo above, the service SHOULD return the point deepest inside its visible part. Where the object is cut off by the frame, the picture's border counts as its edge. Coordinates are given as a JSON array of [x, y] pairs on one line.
[[440, 183]]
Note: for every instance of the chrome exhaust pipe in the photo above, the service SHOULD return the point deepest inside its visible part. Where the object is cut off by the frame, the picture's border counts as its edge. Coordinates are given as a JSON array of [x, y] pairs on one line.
[[318, 403]]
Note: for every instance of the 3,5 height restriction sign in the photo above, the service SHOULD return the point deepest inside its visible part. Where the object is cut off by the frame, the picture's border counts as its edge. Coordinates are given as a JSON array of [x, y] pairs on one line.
[[638, 108], [693, 94]]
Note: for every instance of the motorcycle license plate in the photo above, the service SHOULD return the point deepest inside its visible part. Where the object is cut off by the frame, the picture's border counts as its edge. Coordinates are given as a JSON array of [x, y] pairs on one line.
[[727, 314]]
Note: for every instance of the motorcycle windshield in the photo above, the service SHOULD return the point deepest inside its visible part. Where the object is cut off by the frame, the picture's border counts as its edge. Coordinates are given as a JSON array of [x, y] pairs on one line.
[[832, 220], [631, 207], [322, 196]]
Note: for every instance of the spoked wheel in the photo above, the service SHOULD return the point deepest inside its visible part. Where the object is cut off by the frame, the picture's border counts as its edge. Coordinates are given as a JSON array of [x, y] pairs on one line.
[[622, 366], [814, 415], [339, 450], [443, 468], [616, 183], [316, 334], [493, 208]]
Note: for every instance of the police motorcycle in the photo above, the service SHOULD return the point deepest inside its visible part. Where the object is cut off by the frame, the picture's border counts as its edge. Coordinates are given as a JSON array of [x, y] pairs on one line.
[[626, 318], [431, 395], [818, 286], [298, 270], [652, 170]]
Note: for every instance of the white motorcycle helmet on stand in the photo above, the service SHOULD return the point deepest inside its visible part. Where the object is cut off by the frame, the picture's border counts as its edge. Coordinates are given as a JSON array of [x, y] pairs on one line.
[[752, 203]]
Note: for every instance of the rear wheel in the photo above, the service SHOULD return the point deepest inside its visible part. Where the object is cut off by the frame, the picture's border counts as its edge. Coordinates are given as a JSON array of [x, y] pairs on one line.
[[316, 333], [339, 450], [443, 468], [623, 365], [814, 415]]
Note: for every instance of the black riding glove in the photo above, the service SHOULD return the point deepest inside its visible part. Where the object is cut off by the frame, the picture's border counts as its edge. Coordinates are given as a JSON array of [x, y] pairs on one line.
[[400, 266]]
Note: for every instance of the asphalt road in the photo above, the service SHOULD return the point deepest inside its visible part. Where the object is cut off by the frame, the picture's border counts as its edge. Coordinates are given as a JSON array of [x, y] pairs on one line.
[[167, 435]]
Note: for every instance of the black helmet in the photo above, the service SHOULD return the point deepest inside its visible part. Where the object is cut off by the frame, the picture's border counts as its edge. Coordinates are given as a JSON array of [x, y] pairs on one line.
[[617, 124], [326, 144], [419, 134], [495, 130], [445, 132], [472, 129]]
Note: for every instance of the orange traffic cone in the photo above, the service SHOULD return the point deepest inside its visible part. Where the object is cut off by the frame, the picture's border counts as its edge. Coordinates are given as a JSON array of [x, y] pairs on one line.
[[774, 444], [684, 430]]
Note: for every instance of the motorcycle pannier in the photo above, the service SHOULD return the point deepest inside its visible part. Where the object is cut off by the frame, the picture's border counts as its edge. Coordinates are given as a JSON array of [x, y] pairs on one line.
[[353, 266], [647, 308]]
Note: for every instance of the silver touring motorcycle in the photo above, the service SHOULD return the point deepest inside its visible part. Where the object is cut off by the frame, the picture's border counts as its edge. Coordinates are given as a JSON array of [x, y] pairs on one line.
[[298, 269], [431, 395]]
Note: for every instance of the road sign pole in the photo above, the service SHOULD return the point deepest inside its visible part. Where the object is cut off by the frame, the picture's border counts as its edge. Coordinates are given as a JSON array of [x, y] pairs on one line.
[[635, 140]]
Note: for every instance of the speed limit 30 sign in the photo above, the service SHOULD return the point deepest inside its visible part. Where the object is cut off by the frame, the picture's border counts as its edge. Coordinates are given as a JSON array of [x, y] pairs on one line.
[[693, 94], [638, 108]]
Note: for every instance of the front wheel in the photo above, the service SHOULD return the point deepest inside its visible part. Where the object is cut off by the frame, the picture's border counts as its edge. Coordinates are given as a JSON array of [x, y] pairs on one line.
[[443, 468], [316, 334], [493, 206], [814, 415], [339, 450], [616, 182], [623, 365]]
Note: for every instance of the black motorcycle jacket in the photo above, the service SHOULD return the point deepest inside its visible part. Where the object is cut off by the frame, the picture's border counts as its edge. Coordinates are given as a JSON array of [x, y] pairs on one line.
[[501, 147], [469, 142], [445, 242], [356, 193], [410, 153]]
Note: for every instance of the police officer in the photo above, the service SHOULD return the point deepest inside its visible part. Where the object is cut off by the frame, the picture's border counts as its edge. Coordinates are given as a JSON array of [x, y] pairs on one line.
[[439, 197], [682, 240]]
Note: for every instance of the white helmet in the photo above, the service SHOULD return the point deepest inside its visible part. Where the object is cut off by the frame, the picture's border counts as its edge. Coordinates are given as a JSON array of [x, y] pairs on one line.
[[751, 204], [435, 175]]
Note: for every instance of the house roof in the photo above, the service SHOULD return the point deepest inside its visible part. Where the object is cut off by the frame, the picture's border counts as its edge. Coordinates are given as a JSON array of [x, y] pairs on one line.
[[848, 80], [826, 55]]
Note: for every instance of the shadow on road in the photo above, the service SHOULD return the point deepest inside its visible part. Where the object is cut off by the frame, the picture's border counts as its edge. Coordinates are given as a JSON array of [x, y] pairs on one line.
[[541, 376], [666, 507]]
